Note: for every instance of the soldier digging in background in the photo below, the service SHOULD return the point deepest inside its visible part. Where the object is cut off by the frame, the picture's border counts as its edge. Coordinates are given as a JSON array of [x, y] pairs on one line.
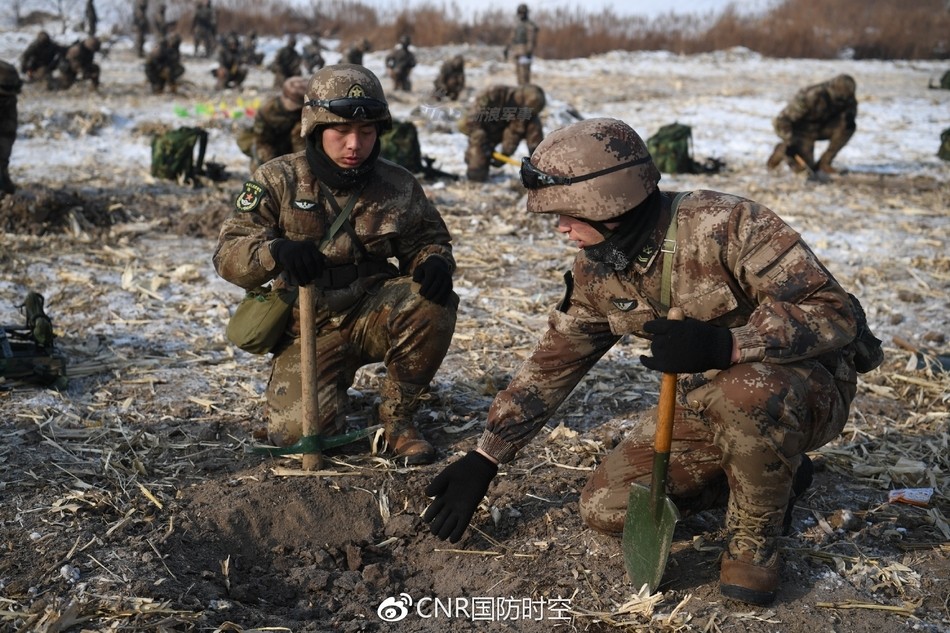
[[204, 29], [399, 64], [524, 37], [163, 66], [276, 128], [286, 62], [231, 70], [451, 79], [501, 114], [367, 309], [10, 85], [354, 54], [141, 26], [41, 58], [312, 55], [249, 54], [822, 112], [78, 64]]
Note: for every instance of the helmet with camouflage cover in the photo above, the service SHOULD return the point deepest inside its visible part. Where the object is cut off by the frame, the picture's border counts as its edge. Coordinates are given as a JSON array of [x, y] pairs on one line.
[[292, 94], [343, 81], [405, 41], [611, 169], [530, 96], [842, 86], [523, 10]]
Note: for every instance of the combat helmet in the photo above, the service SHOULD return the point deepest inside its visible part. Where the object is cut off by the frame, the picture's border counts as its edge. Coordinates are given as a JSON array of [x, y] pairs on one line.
[[292, 94], [842, 86], [405, 41], [530, 96], [344, 93], [596, 170], [522, 11]]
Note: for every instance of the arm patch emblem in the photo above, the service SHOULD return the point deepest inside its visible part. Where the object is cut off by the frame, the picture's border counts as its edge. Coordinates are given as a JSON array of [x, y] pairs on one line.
[[250, 197]]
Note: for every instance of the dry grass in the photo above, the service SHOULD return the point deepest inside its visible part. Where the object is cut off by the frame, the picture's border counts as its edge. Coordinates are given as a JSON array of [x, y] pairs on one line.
[[821, 29]]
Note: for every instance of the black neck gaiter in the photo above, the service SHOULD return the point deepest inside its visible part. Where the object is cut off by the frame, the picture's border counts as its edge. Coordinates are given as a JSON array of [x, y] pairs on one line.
[[326, 171], [623, 244]]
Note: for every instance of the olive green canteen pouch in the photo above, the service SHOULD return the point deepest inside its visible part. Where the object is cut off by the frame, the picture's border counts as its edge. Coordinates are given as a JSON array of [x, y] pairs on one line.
[[261, 318]]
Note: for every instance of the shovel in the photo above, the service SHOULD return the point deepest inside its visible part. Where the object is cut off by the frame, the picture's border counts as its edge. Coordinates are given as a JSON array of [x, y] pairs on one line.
[[651, 515], [813, 174], [506, 159]]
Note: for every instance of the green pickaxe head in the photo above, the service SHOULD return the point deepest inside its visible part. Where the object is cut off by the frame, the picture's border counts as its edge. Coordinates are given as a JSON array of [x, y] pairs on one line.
[[316, 443]]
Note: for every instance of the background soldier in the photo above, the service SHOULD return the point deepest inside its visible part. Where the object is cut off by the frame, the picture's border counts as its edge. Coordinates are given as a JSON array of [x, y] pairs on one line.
[[451, 80], [524, 37], [41, 57], [501, 114], [204, 29], [400, 63], [312, 56], [765, 357], [159, 23], [10, 85], [287, 62], [92, 20], [163, 66], [231, 70], [79, 63], [141, 25], [276, 129], [249, 54], [354, 54], [825, 111], [367, 309]]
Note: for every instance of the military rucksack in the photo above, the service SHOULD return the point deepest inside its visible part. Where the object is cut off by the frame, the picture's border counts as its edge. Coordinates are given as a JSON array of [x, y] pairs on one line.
[[671, 149], [173, 153], [401, 146], [944, 151]]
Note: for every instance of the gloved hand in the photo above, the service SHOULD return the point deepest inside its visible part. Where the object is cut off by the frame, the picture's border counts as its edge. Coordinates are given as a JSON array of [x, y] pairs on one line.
[[687, 346], [496, 162], [299, 259], [458, 490], [794, 148], [435, 280]]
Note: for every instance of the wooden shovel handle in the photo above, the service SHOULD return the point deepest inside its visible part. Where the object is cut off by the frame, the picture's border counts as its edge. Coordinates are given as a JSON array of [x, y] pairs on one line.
[[308, 372], [667, 404]]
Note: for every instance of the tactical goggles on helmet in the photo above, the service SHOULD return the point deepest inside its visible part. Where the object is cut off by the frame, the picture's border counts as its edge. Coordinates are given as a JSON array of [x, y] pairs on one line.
[[357, 108], [534, 178]]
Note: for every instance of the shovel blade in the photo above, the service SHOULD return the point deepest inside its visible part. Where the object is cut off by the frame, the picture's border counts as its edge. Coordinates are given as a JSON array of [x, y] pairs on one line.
[[647, 536]]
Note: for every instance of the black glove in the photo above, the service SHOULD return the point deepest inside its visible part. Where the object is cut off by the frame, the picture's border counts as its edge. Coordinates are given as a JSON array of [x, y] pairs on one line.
[[458, 490], [496, 162], [435, 280], [299, 259], [687, 346]]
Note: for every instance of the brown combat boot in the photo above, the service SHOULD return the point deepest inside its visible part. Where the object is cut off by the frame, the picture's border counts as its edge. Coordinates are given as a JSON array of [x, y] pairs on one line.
[[403, 439], [751, 566]]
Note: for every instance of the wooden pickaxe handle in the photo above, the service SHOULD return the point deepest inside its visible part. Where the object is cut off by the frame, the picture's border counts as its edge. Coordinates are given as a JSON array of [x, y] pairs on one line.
[[506, 159], [308, 373]]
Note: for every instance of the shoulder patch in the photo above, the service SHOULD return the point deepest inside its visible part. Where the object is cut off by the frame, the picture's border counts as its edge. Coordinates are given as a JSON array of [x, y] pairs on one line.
[[250, 197]]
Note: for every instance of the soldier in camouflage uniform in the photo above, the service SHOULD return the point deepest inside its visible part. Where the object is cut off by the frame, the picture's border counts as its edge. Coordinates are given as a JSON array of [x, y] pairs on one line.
[[163, 67], [765, 358], [286, 63], [78, 63], [10, 85], [354, 54], [501, 114], [276, 129], [524, 37], [451, 80], [399, 63], [141, 25], [231, 71], [823, 112], [312, 54], [204, 29], [92, 19], [41, 57], [249, 53], [368, 309]]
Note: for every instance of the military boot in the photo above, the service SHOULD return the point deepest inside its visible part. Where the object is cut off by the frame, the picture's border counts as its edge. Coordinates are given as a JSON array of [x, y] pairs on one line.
[[398, 405], [751, 565]]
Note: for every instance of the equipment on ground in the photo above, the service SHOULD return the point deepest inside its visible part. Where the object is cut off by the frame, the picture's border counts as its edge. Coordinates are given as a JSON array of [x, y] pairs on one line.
[[173, 154], [26, 352]]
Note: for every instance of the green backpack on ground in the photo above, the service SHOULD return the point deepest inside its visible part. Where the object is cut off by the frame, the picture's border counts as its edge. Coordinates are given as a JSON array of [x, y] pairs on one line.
[[944, 151], [401, 146], [671, 149], [173, 153]]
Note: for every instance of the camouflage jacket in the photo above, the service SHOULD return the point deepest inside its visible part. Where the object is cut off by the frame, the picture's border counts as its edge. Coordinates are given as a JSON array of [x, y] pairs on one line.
[[392, 218], [736, 265], [276, 130], [41, 54], [287, 62], [524, 37], [812, 108], [400, 61], [503, 120]]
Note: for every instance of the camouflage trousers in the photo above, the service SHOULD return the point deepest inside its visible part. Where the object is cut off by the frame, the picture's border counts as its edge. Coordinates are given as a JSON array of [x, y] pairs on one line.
[[523, 69], [837, 132], [478, 154], [740, 434], [394, 325]]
